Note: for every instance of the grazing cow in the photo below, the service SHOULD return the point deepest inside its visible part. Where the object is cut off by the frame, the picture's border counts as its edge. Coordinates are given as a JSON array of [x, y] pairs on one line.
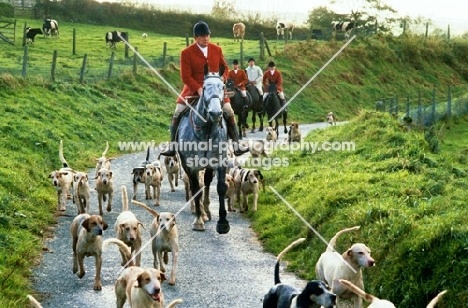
[[31, 33], [239, 31], [50, 27], [281, 26], [343, 26], [112, 38]]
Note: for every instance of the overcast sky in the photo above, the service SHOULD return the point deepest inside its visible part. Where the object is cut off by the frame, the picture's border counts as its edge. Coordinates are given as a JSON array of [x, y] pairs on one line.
[[441, 12]]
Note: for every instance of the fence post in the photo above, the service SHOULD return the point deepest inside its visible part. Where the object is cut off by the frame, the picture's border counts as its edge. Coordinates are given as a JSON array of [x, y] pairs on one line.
[[396, 105], [262, 47], [433, 111], [419, 107], [111, 65], [24, 35], [448, 32], [126, 46], [449, 102], [83, 67], [186, 41], [135, 61], [241, 53], [25, 61], [427, 29], [164, 54], [54, 65], [407, 104], [74, 42], [390, 110]]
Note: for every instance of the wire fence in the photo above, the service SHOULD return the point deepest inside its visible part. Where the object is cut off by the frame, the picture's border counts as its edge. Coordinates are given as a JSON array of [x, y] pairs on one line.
[[421, 111]]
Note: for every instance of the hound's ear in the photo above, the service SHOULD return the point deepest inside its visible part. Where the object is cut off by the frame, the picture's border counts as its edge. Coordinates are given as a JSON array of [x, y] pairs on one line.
[[163, 277], [110, 174], [141, 225], [140, 280], [63, 173], [98, 174], [247, 176], [349, 252], [85, 224], [86, 176], [104, 225], [50, 175], [260, 174], [173, 218]]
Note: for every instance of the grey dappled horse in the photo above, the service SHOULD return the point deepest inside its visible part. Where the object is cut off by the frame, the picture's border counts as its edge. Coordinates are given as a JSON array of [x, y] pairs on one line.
[[272, 106], [193, 129]]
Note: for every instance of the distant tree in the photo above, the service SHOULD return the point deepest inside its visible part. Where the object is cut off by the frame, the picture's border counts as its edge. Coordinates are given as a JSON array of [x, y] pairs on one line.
[[223, 8], [320, 18], [371, 14]]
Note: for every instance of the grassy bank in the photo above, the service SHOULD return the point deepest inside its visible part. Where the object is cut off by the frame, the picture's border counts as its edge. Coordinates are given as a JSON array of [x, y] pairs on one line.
[[410, 204]]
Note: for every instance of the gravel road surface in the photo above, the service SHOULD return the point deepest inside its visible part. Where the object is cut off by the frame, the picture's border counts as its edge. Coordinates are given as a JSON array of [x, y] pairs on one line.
[[219, 271]]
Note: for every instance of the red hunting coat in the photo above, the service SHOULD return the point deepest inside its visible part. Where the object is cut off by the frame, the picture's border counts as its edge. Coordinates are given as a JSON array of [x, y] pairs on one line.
[[192, 62], [240, 78], [276, 78]]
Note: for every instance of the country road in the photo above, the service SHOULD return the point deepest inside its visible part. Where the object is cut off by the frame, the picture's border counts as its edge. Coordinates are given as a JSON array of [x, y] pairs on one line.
[[219, 271]]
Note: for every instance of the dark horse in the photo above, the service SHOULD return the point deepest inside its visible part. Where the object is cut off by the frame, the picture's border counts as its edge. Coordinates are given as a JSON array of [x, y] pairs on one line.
[[202, 144], [272, 106], [239, 107], [256, 106]]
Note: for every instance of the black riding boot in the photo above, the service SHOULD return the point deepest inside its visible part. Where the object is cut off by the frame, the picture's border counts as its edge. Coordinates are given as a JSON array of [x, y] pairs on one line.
[[246, 109], [170, 150], [283, 101], [233, 134]]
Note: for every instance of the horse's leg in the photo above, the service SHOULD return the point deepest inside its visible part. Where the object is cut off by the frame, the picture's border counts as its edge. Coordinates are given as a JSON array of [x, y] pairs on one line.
[[198, 223], [261, 115], [239, 125], [207, 179], [222, 227], [277, 127], [285, 118], [253, 122]]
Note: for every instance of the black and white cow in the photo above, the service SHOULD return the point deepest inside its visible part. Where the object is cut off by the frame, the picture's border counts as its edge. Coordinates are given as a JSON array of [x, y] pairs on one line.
[[31, 34], [112, 38], [50, 27], [342, 26], [281, 26]]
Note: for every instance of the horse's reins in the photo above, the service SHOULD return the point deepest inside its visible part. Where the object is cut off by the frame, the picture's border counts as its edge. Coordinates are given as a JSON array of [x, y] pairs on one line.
[[195, 127]]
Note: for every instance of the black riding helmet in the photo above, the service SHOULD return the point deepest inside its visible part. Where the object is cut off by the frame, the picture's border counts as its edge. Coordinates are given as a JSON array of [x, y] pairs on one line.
[[201, 28]]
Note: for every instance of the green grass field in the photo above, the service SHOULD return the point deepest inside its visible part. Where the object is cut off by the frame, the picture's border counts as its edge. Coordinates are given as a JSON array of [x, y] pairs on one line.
[[409, 202]]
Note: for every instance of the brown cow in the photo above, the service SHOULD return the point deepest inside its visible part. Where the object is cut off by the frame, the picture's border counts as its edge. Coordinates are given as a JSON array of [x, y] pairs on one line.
[[239, 31]]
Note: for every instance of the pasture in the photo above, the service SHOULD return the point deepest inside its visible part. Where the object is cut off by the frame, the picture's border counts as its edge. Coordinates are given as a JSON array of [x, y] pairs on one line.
[[409, 202]]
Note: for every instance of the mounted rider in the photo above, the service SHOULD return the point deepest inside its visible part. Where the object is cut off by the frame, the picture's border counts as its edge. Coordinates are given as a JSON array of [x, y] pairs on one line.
[[239, 77], [192, 63], [255, 75], [272, 75]]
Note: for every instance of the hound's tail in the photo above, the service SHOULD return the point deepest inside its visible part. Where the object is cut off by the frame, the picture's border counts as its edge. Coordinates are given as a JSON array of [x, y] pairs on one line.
[[435, 299], [124, 199], [62, 159], [107, 148], [331, 244], [153, 212], [124, 249], [174, 303], [280, 256], [367, 297], [34, 302], [147, 154]]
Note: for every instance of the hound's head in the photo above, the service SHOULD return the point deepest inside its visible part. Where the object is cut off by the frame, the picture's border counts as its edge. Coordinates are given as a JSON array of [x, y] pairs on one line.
[[104, 175], [80, 178], [95, 224], [360, 255], [170, 161], [317, 293], [56, 176], [138, 174], [150, 280], [166, 221], [294, 125], [130, 229]]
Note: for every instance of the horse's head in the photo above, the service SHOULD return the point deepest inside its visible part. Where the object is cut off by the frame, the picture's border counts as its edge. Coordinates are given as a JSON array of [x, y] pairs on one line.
[[230, 85], [213, 96], [272, 88]]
